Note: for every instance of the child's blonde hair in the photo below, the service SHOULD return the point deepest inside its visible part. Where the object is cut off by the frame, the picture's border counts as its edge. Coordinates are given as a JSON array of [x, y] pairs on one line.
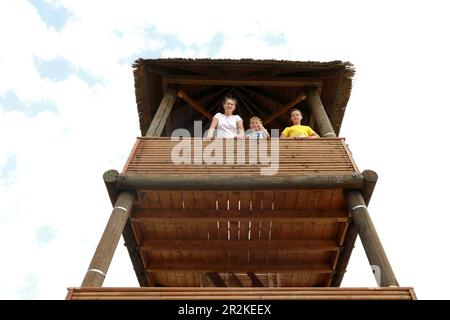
[[256, 118]]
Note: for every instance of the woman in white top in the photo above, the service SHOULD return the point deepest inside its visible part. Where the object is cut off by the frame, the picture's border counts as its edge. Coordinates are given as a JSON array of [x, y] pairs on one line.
[[228, 125]]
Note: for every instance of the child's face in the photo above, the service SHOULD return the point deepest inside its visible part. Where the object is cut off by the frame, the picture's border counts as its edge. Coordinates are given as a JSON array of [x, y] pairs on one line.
[[229, 105], [296, 117], [255, 125]]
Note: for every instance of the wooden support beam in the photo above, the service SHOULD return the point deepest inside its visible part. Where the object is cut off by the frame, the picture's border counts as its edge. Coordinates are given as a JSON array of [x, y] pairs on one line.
[[370, 180], [209, 93], [372, 245], [144, 279], [216, 279], [237, 268], [301, 246], [325, 129], [235, 279], [194, 104], [160, 118], [270, 279], [285, 108], [214, 93], [108, 243], [245, 105], [242, 81], [344, 256], [165, 182], [110, 179], [211, 215], [264, 95], [252, 107], [255, 280]]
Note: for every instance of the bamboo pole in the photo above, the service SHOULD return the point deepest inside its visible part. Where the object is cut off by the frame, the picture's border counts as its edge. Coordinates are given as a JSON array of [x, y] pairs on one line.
[[108, 243], [372, 245], [321, 118]]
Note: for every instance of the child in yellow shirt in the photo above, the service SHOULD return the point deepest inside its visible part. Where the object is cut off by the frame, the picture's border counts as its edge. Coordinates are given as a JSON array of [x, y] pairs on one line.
[[297, 131]]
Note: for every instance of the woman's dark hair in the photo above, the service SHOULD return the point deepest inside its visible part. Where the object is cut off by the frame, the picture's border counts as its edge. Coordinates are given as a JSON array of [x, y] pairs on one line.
[[229, 98]]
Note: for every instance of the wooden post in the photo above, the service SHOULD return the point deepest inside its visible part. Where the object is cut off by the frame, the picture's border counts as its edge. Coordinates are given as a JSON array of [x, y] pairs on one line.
[[320, 115], [110, 179], [160, 118], [370, 180], [108, 243], [372, 245]]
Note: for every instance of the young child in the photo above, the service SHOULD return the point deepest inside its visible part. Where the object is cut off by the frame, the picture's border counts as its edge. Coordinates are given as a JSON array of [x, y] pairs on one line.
[[257, 130], [297, 131]]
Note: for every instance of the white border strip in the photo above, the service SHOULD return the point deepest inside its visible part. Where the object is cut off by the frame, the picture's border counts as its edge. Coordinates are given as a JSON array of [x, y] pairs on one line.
[[98, 271], [122, 208]]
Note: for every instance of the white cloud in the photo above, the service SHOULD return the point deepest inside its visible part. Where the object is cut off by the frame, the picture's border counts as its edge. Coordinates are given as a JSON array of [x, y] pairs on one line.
[[395, 121]]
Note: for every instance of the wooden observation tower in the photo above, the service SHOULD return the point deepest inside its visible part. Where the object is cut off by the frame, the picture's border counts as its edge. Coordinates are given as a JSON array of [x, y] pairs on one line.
[[227, 230]]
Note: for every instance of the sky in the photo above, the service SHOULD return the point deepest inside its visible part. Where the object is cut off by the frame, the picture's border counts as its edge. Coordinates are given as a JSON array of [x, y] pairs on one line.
[[68, 113]]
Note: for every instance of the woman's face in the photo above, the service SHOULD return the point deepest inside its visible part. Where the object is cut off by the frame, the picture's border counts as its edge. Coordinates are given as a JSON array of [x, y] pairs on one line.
[[229, 105]]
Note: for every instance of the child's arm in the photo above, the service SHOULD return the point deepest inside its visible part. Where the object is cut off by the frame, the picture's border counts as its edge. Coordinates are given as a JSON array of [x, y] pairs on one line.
[[265, 133]]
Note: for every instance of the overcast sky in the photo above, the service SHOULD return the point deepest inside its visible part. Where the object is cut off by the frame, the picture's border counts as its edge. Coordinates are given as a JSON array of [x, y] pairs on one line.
[[68, 113]]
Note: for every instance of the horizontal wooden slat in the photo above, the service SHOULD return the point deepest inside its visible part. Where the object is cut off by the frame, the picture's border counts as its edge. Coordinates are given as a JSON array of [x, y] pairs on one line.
[[190, 244], [292, 293], [192, 215], [242, 81], [214, 267]]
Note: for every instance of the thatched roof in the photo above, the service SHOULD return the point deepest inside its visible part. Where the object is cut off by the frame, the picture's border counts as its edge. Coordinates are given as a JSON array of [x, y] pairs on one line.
[[151, 76]]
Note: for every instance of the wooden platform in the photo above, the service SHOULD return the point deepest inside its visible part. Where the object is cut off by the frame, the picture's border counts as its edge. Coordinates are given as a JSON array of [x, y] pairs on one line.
[[240, 294], [239, 237], [244, 157]]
